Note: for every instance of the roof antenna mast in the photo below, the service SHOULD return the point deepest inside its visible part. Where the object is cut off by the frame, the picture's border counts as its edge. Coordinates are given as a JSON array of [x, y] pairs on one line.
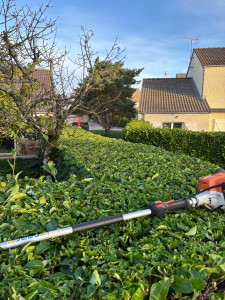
[[191, 39]]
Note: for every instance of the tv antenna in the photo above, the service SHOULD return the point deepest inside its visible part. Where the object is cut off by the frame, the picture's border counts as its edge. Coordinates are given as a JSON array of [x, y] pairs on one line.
[[191, 39]]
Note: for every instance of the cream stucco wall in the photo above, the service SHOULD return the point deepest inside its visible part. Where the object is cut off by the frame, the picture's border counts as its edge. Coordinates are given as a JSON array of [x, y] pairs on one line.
[[214, 91], [210, 82], [217, 122], [214, 86], [195, 122], [196, 71]]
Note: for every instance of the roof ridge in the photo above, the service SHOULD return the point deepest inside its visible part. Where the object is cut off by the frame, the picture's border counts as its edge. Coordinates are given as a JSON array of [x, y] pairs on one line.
[[162, 78], [210, 48], [41, 69]]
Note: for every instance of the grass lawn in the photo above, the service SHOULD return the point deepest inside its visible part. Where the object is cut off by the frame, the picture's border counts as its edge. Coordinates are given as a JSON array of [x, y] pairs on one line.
[[32, 172], [117, 134]]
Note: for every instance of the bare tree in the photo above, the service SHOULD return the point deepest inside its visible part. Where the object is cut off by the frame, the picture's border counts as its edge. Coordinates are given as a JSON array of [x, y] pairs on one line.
[[28, 42]]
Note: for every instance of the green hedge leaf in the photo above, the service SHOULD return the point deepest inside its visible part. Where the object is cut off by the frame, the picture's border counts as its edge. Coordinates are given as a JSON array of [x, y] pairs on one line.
[[160, 290], [95, 278], [182, 285], [35, 263], [138, 295]]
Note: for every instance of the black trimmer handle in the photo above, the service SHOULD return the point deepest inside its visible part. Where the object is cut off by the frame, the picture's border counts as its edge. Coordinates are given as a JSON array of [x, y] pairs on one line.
[[159, 208]]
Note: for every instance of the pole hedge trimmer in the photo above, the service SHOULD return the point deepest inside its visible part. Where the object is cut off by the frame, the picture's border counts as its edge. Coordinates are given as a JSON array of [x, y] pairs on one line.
[[210, 193]]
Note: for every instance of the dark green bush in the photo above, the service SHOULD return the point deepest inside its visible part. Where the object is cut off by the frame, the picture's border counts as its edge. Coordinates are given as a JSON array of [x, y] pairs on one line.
[[208, 146], [117, 122]]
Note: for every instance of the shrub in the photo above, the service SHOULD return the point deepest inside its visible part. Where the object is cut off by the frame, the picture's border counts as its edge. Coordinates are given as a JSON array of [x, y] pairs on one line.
[[117, 122], [177, 255], [208, 146]]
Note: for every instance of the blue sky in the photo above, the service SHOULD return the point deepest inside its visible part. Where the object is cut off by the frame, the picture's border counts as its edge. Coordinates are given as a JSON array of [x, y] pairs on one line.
[[151, 31]]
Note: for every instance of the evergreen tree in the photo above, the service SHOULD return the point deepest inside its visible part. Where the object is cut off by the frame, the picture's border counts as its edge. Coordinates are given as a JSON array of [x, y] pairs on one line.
[[111, 98]]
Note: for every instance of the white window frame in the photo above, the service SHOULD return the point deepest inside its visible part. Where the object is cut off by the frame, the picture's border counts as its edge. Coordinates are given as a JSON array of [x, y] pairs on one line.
[[172, 124]]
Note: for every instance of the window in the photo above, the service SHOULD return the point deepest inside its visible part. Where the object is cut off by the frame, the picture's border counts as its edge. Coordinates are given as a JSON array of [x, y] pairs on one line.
[[178, 125], [167, 125], [173, 125]]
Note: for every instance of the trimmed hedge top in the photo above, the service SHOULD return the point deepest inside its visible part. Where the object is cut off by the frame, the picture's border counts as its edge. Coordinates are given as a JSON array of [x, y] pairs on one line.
[[208, 146], [177, 255]]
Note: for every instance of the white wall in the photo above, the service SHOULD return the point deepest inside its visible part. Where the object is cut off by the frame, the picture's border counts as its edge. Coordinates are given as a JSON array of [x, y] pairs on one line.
[[196, 71]]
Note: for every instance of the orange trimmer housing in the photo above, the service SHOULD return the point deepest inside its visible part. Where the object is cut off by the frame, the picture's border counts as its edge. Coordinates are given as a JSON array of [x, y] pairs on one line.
[[217, 178]]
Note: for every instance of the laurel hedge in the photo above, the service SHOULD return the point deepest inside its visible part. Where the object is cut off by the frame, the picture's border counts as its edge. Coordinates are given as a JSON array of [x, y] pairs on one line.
[[209, 146], [180, 256]]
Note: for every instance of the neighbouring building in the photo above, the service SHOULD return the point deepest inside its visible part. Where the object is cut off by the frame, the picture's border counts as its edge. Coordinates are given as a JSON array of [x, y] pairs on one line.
[[207, 68], [173, 103], [195, 100], [31, 146], [73, 119], [136, 97]]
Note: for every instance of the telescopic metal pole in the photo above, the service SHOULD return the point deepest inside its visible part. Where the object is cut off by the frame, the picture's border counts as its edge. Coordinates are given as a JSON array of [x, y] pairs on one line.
[[73, 229], [157, 209]]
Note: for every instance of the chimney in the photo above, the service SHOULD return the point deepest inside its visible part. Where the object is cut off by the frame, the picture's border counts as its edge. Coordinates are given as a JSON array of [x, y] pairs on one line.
[[165, 75], [181, 75]]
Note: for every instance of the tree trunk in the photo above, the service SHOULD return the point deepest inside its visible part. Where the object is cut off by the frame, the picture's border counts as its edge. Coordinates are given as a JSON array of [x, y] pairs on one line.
[[53, 138], [107, 124], [107, 130]]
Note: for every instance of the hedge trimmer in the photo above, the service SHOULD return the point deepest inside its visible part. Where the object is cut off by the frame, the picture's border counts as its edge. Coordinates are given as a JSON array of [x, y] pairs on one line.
[[210, 193]]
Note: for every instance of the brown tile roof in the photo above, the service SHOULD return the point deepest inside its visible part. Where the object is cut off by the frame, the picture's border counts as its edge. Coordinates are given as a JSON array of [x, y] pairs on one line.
[[136, 97], [211, 56], [171, 95], [43, 76]]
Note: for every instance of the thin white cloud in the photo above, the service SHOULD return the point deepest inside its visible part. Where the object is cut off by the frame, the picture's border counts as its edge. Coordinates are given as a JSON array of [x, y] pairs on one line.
[[157, 44], [200, 7]]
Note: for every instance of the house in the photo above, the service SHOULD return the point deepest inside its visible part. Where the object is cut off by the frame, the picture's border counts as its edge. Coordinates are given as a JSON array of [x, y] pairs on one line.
[[173, 103], [43, 91], [136, 97], [31, 146], [195, 100], [207, 68]]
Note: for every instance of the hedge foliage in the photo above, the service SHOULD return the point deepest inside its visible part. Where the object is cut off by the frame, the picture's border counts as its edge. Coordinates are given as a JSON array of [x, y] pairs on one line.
[[5, 168], [181, 255], [208, 146]]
